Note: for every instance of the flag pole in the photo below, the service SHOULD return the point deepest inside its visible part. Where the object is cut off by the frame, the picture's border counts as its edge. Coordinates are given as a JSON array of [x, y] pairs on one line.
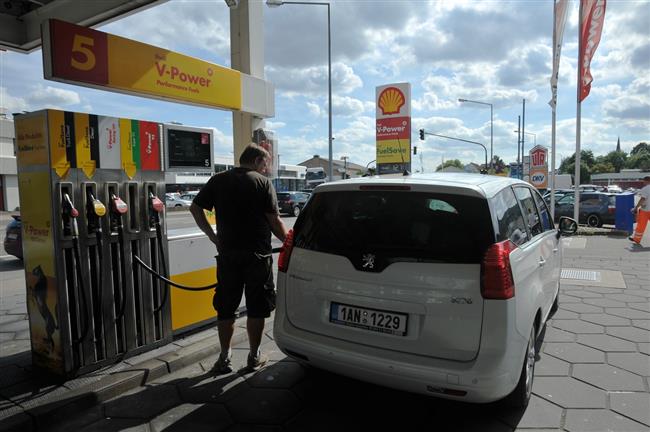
[[554, 99], [576, 202]]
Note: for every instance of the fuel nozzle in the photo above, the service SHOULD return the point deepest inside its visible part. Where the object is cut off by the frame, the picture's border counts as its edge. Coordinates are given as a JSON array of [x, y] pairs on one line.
[[94, 210], [156, 206], [118, 208], [69, 214]]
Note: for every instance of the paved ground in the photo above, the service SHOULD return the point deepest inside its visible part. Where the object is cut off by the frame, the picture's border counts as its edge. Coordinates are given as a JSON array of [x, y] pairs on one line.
[[592, 374]]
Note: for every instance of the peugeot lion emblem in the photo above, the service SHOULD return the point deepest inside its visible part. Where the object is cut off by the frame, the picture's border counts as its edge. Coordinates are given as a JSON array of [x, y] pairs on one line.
[[368, 261]]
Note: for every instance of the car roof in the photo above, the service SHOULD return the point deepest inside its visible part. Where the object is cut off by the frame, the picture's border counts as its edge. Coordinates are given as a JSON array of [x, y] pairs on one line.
[[477, 184]]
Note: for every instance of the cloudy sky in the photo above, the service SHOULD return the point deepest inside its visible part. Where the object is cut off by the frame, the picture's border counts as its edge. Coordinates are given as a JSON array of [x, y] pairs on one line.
[[497, 52]]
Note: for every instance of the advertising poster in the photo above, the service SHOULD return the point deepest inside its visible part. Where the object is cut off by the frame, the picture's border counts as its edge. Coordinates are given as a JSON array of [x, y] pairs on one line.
[[40, 277], [31, 141], [109, 142], [127, 144], [393, 128], [149, 146], [87, 153], [60, 135]]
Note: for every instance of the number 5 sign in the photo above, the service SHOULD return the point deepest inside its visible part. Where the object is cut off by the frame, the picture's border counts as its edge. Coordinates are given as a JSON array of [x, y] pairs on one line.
[[79, 54]]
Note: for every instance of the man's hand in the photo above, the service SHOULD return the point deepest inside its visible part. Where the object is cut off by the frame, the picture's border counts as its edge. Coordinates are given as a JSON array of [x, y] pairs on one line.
[[203, 224]]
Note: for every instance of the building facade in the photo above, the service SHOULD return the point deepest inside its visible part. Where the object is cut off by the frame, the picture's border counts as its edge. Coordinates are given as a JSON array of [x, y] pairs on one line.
[[339, 167], [8, 171], [627, 178]]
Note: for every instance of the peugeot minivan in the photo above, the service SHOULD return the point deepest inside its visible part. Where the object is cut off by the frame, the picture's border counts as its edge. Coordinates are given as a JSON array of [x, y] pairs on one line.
[[436, 284]]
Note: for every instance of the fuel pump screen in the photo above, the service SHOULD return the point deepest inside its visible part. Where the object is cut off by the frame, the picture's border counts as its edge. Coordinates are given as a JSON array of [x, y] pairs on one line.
[[189, 148]]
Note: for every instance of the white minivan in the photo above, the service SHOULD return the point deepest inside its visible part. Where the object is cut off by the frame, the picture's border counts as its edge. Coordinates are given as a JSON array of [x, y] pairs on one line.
[[436, 284]]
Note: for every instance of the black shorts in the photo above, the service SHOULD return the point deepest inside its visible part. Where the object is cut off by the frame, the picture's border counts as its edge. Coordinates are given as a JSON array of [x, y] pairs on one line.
[[244, 272]]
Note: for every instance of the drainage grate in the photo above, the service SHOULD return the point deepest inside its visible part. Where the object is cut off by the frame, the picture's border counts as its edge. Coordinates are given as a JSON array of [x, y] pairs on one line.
[[585, 275]]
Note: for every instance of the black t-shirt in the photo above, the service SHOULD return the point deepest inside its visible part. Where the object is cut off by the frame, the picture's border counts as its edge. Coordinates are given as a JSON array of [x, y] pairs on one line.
[[241, 198]]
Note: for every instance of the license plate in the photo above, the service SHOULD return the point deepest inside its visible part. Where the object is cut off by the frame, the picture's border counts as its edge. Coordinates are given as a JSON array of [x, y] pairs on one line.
[[12, 236], [380, 321]]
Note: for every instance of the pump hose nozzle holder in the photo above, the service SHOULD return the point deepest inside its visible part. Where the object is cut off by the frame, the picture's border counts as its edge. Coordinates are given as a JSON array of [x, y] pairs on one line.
[[156, 207], [70, 227], [118, 208]]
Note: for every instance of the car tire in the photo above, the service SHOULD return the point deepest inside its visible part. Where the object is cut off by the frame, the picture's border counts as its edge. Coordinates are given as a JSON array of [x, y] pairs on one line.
[[296, 211], [520, 396], [593, 220]]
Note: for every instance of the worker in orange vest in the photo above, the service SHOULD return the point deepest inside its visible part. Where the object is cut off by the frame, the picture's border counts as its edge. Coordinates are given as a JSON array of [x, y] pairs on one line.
[[642, 210]]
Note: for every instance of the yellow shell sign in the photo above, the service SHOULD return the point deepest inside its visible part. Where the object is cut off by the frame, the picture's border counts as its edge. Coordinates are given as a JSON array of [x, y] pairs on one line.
[[391, 100]]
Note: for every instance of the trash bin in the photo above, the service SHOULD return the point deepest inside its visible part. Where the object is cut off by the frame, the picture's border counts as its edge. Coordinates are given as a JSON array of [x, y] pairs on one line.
[[624, 218]]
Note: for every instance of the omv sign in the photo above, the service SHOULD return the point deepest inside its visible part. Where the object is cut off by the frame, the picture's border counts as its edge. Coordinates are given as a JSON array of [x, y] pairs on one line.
[[538, 179]]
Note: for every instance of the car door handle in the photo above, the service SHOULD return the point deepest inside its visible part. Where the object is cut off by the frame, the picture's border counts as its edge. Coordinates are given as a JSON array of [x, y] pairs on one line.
[[542, 261]]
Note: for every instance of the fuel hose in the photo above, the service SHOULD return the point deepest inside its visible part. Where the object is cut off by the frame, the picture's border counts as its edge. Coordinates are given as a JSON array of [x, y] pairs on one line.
[[177, 285]]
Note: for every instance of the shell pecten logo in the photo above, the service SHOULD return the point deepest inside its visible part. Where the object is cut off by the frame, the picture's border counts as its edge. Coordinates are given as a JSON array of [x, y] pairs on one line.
[[391, 100]]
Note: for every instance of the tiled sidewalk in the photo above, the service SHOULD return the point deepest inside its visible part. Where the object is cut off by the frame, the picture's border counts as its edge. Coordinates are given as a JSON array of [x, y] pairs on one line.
[[592, 374]]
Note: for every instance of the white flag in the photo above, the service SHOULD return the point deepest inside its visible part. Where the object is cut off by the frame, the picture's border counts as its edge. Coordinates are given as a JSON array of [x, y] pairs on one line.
[[560, 15]]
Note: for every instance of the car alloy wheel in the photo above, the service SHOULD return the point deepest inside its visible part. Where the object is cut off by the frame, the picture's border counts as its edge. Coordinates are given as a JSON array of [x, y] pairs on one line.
[[593, 221], [520, 396], [296, 211]]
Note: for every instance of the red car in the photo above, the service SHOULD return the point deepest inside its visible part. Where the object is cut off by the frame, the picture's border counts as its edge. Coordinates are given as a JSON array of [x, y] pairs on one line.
[[13, 238]]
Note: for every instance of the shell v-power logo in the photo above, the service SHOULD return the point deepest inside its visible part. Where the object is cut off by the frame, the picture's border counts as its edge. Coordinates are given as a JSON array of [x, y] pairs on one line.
[[391, 100]]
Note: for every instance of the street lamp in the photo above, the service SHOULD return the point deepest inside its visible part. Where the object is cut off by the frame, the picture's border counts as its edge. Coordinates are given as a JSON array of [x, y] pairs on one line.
[[276, 3], [491, 125]]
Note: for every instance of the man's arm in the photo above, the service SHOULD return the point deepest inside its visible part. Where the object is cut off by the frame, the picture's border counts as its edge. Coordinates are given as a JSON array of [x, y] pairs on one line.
[[277, 226], [638, 205], [202, 222]]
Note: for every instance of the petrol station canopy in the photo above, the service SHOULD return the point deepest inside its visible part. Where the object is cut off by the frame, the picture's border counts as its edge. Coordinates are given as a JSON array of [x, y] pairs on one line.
[[20, 20]]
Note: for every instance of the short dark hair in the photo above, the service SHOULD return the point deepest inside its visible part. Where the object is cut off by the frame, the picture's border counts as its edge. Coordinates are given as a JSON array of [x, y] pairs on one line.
[[251, 153], [646, 178]]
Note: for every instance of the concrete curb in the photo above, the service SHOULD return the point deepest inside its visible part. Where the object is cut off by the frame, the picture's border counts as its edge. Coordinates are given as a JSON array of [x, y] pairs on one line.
[[57, 408]]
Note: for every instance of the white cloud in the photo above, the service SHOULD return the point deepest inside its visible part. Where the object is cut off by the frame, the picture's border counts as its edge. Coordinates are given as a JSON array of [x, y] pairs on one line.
[[275, 125], [52, 97], [312, 81], [11, 103], [346, 106]]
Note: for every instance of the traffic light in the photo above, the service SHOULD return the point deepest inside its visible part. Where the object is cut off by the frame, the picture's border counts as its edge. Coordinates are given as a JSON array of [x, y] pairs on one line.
[[415, 150], [422, 134]]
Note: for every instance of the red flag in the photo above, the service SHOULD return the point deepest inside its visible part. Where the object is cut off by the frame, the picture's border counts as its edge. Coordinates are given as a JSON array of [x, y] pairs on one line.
[[593, 18]]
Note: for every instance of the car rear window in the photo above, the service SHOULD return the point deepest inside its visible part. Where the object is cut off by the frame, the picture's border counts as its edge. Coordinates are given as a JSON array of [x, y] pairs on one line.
[[396, 226], [283, 196]]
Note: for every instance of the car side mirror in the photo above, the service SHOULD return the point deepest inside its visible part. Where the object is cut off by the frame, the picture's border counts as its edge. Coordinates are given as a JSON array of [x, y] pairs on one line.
[[567, 226]]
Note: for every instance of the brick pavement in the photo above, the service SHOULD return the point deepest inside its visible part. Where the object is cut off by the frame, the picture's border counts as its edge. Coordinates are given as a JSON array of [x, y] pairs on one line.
[[592, 374]]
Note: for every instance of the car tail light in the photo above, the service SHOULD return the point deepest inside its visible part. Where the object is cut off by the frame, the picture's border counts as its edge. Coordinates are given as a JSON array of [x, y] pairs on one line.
[[290, 202], [496, 273], [611, 210], [285, 253]]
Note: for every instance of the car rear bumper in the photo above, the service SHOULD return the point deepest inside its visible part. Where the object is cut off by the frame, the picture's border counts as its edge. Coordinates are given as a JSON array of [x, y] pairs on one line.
[[492, 375]]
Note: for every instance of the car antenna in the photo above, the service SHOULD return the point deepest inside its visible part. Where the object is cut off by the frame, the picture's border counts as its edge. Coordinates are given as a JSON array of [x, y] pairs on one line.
[[405, 172]]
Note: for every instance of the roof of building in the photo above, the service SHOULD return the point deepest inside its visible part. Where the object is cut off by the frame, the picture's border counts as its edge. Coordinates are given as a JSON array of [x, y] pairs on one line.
[[623, 175]]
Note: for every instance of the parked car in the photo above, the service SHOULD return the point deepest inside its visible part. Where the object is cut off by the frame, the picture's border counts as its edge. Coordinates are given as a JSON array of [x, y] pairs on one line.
[[437, 284], [292, 202], [13, 243], [559, 193], [614, 189], [596, 208], [189, 196], [591, 187], [175, 200]]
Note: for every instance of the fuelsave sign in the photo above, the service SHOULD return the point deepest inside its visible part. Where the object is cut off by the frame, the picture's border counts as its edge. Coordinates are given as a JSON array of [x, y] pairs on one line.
[[80, 55], [393, 128]]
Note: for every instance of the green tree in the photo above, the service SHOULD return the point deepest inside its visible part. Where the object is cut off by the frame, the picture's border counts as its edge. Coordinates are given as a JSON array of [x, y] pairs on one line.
[[498, 164], [452, 162], [642, 147], [602, 167], [617, 159], [585, 171], [641, 161], [586, 159]]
